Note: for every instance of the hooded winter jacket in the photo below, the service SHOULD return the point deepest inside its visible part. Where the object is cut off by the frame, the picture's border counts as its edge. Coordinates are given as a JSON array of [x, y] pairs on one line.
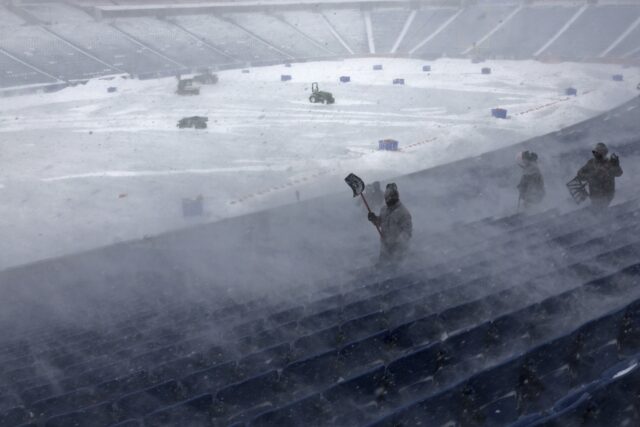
[[601, 175], [396, 227], [531, 184]]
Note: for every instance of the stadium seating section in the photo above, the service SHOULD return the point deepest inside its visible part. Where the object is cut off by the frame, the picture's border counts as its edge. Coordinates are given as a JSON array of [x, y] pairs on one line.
[[407, 348], [524, 320], [43, 36]]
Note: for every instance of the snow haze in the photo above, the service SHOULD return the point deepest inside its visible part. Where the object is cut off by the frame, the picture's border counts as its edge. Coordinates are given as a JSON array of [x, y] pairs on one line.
[[84, 168]]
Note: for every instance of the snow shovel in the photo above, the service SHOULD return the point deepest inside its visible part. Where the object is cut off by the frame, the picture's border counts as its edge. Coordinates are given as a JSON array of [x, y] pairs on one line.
[[578, 190], [357, 185]]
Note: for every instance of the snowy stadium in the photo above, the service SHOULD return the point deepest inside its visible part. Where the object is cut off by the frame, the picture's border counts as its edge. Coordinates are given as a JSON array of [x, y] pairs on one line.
[[179, 246]]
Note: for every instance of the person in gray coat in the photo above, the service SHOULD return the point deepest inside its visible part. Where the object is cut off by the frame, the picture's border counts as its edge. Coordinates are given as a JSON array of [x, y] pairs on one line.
[[395, 225], [531, 186]]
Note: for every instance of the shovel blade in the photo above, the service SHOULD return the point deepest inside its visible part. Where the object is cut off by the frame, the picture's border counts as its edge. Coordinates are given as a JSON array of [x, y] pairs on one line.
[[355, 183]]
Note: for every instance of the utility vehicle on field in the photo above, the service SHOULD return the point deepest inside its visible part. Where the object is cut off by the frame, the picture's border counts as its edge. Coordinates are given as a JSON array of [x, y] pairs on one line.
[[318, 96]]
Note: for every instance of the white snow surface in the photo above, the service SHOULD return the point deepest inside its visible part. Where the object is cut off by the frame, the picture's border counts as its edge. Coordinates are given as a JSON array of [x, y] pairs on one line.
[[83, 168]]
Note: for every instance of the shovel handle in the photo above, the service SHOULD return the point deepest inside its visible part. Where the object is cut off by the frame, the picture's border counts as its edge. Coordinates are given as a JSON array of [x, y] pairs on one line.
[[369, 209]]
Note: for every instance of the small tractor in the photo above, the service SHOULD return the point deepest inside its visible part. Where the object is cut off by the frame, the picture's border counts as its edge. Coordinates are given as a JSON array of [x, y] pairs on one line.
[[320, 96], [197, 122], [186, 87]]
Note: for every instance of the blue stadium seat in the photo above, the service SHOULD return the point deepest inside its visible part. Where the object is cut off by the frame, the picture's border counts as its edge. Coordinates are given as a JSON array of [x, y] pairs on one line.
[[349, 415], [628, 336], [362, 307], [154, 357], [288, 315], [14, 417], [34, 394], [414, 366], [528, 419], [321, 320], [408, 311], [500, 412], [250, 391], [598, 331], [128, 423], [210, 379], [362, 327], [92, 376], [617, 402], [267, 338], [8, 400], [362, 388], [143, 402], [181, 366], [361, 353], [306, 411], [317, 370], [135, 381], [195, 411], [491, 386], [438, 410], [457, 317], [271, 358], [63, 403], [19, 374], [324, 340], [556, 384], [468, 343], [101, 414], [592, 365], [503, 329], [252, 327], [419, 332]]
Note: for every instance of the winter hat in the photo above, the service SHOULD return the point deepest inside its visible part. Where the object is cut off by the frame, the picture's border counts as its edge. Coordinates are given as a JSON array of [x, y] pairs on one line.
[[525, 157], [601, 148], [391, 194]]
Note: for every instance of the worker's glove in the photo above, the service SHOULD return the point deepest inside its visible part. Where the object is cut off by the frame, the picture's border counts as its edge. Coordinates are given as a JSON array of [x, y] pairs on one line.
[[615, 161], [371, 217]]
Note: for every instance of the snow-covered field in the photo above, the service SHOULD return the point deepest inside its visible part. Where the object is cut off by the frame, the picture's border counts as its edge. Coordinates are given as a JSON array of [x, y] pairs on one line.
[[82, 168]]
